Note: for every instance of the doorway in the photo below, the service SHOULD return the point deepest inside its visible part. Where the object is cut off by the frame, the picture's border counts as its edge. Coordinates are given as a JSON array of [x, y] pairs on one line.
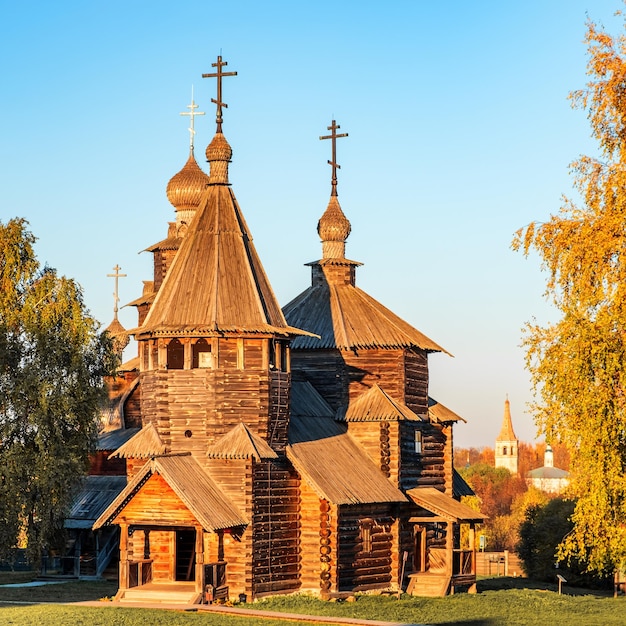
[[185, 555]]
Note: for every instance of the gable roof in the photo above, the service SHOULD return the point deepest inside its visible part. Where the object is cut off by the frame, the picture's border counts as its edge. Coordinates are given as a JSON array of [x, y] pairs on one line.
[[145, 444], [376, 406], [334, 465], [240, 443], [113, 439], [195, 488], [439, 413]]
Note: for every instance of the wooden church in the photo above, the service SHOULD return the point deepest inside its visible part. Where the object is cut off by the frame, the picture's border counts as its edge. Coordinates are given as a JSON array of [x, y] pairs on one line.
[[280, 450]]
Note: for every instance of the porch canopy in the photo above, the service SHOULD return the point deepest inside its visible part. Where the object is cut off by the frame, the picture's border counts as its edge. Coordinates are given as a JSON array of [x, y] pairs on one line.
[[442, 508]]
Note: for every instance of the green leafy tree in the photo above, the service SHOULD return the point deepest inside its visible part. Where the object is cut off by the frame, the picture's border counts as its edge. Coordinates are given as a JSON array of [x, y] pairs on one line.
[[52, 363], [578, 363], [542, 530]]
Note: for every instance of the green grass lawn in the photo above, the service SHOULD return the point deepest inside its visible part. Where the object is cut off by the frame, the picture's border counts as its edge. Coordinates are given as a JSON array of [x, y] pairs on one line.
[[500, 601]]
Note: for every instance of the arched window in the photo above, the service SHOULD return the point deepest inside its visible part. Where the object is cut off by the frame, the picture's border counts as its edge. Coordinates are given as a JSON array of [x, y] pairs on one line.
[[175, 355], [504, 450], [201, 353]]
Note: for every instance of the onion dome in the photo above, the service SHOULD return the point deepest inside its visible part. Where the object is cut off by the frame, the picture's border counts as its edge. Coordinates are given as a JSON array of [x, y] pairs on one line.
[[218, 154], [118, 335], [333, 229], [185, 188]]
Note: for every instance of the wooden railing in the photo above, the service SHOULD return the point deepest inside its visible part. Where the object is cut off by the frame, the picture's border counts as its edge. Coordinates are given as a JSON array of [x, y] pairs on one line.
[[139, 572], [463, 562]]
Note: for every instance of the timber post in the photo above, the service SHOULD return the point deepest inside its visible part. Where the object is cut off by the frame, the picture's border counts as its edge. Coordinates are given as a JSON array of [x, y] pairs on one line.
[[124, 582], [199, 559], [472, 547]]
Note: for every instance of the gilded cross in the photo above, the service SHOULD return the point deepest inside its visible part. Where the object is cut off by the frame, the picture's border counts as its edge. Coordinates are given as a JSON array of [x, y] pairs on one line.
[[219, 75], [192, 113], [117, 276], [333, 128]]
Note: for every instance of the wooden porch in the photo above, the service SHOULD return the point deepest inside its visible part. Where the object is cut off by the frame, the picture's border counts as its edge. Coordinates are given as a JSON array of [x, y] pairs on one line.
[[443, 569]]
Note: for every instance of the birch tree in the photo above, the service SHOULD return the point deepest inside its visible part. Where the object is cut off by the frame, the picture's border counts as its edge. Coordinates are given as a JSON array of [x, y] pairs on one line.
[[578, 364], [52, 362]]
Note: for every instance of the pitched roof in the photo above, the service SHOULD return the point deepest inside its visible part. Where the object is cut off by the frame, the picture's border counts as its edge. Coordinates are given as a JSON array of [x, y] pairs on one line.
[[113, 439], [506, 432], [440, 413], [376, 406], [95, 495], [444, 506], [186, 477], [145, 444], [334, 465], [216, 282], [240, 443], [347, 318]]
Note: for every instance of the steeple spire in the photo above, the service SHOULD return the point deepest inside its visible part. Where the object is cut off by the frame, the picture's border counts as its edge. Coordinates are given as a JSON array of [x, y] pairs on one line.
[[506, 432], [115, 329]]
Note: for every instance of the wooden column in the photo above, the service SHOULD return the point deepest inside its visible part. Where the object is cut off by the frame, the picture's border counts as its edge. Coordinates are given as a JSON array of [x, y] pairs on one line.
[[124, 582], [450, 552], [199, 559], [472, 547]]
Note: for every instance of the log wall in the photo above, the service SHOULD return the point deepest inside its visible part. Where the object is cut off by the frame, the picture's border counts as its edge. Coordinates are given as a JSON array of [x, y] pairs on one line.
[[365, 563], [275, 528]]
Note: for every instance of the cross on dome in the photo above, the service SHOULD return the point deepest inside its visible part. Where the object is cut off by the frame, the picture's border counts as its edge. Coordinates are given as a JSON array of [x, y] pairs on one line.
[[334, 127], [219, 75], [116, 298], [192, 114]]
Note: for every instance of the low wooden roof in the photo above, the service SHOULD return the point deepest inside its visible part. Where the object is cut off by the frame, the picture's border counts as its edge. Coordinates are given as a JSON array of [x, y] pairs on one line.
[[327, 457], [95, 495], [444, 506], [186, 477], [376, 406], [347, 318], [114, 439], [216, 283], [143, 445], [241, 443], [441, 414]]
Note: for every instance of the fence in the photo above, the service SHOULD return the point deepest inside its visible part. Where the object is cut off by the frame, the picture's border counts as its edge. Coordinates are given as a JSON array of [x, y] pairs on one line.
[[498, 564]]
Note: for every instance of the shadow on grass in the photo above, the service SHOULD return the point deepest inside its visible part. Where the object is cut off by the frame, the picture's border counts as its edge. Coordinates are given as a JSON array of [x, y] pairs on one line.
[[501, 583]]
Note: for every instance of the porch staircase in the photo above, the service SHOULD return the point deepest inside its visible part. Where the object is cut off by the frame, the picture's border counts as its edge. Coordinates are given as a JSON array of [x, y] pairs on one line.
[[431, 585], [159, 593]]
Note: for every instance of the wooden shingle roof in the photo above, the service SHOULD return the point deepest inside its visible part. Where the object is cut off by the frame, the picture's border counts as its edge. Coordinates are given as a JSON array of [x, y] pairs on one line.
[[216, 283], [444, 506], [327, 457], [241, 443], [439, 413], [376, 406], [204, 499], [144, 445], [95, 495]]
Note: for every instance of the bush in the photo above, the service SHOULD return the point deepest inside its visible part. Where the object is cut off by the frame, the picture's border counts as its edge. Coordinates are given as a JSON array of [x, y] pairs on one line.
[[543, 529]]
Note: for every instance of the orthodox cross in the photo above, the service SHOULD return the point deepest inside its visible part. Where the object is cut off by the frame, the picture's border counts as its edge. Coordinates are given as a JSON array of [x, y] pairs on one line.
[[219, 75], [333, 128], [192, 113], [117, 276]]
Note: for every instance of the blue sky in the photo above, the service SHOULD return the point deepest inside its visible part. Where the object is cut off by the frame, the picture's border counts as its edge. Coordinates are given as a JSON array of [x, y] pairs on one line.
[[460, 132]]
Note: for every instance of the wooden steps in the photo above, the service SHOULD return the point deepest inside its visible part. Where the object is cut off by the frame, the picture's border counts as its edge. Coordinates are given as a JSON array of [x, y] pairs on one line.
[[159, 594], [429, 585]]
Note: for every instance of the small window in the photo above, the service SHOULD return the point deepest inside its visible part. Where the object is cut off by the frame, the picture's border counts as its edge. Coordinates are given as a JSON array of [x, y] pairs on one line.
[[418, 442], [365, 535], [504, 451]]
